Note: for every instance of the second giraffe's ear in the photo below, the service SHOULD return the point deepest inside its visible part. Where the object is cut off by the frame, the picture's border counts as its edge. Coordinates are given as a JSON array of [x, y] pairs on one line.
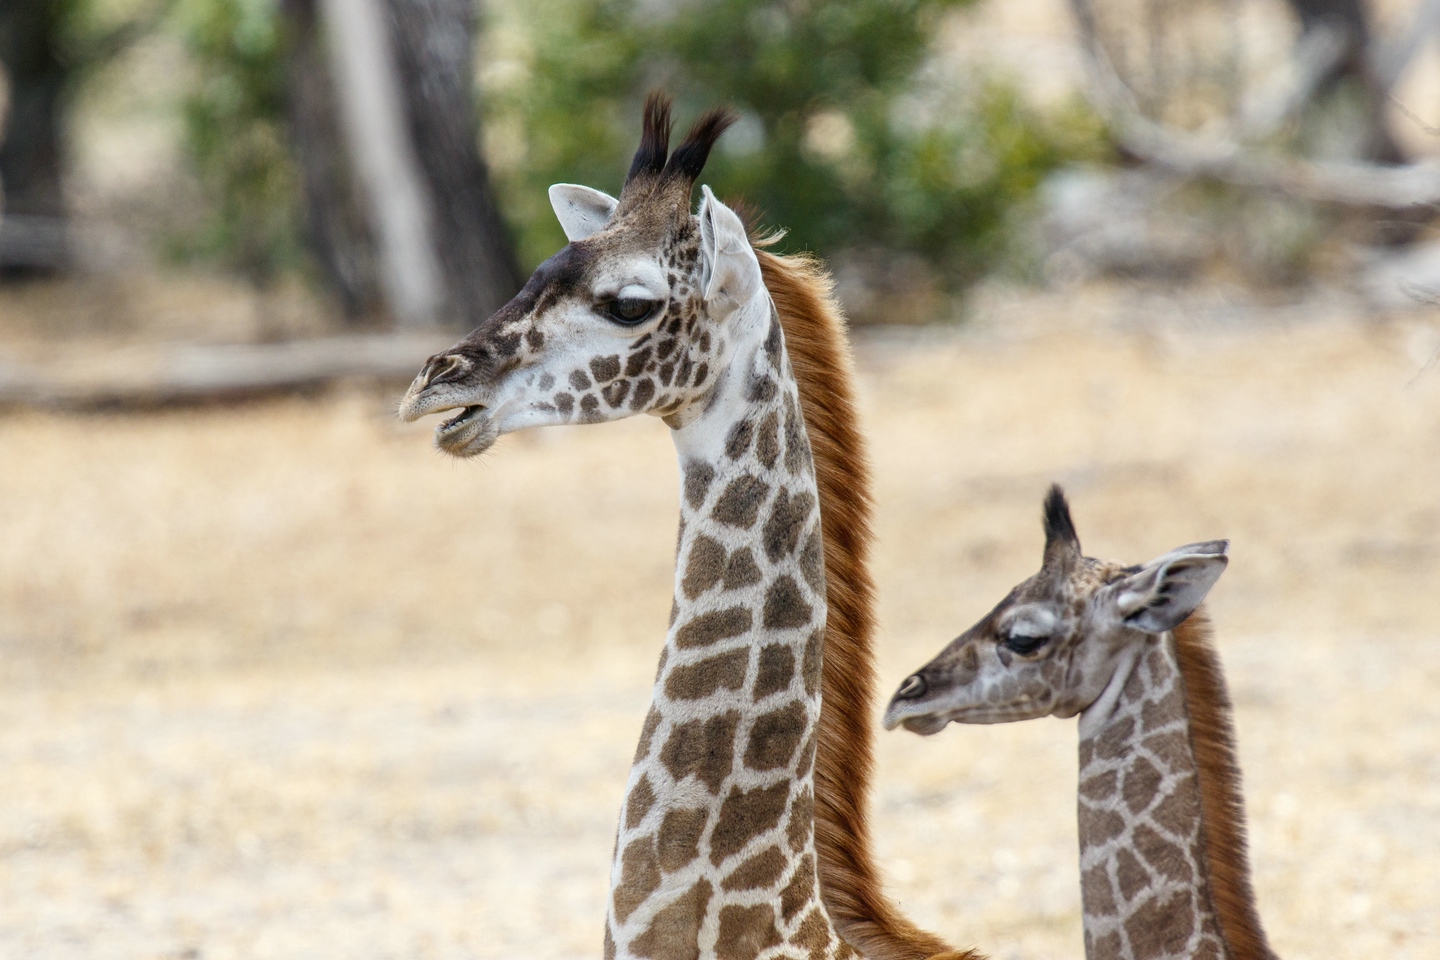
[[581, 210], [731, 273], [1168, 589]]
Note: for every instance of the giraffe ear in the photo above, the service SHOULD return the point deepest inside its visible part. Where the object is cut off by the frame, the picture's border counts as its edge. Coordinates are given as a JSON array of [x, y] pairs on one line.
[[1168, 589], [730, 271], [581, 210]]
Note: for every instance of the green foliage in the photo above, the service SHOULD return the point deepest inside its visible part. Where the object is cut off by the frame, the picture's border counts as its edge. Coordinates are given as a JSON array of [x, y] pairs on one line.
[[234, 133], [844, 141]]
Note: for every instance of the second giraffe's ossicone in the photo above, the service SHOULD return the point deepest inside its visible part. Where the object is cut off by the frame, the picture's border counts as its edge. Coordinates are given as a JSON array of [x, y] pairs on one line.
[[743, 832]]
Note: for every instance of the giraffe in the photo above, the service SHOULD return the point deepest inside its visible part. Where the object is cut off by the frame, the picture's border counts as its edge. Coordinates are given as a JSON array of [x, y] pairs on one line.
[[1164, 869], [758, 734]]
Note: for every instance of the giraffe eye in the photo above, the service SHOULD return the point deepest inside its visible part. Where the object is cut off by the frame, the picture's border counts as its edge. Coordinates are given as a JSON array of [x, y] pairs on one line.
[[1022, 644], [630, 310]]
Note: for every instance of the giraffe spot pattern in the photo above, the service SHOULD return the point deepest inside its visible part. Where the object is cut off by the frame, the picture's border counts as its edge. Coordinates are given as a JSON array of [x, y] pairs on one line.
[[641, 799], [1142, 781], [1164, 857], [1176, 813], [788, 516], [698, 477], [812, 562], [746, 931], [739, 505], [737, 442], [605, 369], [745, 815], [1099, 827], [712, 627], [614, 392], [704, 567], [802, 820], [674, 931], [767, 442], [578, 381], [761, 870], [647, 732], [639, 877], [785, 607], [1161, 927], [777, 666], [775, 736], [741, 569], [678, 840], [702, 747], [1096, 892], [644, 393], [637, 361], [812, 935], [810, 667], [1130, 874], [797, 893], [797, 446], [807, 757], [695, 681], [1100, 788]]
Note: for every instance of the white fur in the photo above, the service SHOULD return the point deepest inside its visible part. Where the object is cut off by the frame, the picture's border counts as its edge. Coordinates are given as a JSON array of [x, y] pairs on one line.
[[731, 272], [581, 210]]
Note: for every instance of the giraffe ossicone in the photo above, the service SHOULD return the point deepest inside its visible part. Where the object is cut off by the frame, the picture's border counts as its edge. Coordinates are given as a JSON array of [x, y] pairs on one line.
[[1164, 870], [653, 309]]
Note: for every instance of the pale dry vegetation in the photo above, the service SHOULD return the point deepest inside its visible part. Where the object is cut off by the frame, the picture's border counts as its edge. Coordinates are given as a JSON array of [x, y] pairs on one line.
[[280, 681]]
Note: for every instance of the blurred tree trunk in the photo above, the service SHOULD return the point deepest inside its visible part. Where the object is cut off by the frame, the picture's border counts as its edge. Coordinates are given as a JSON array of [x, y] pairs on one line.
[[434, 43], [32, 236], [337, 233], [1356, 65]]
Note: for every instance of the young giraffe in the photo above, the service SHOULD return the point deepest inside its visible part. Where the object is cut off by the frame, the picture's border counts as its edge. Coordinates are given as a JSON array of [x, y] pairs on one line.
[[650, 309], [1164, 872]]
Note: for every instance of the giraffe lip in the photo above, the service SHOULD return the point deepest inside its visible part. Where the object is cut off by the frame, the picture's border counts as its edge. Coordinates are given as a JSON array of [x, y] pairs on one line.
[[466, 414]]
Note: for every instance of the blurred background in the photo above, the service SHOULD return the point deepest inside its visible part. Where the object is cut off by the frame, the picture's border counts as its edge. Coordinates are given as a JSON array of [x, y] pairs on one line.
[[276, 680]]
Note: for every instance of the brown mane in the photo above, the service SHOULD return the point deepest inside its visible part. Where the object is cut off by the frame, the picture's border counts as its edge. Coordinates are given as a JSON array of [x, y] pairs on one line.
[[1212, 736], [819, 353]]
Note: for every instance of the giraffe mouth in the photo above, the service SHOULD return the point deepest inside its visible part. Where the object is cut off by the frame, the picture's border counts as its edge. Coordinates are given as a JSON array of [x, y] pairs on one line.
[[470, 432], [466, 414]]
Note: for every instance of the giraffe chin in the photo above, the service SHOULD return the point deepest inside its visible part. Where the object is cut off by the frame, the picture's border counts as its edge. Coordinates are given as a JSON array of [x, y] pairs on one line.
[[926, 725], [469, 434]]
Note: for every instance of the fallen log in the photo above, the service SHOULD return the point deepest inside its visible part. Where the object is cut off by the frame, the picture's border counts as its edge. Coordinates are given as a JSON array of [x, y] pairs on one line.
[[177, 374]]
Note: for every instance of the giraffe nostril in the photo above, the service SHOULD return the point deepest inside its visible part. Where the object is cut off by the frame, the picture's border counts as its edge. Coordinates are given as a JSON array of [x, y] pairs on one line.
[[914, 686], [443, 367]]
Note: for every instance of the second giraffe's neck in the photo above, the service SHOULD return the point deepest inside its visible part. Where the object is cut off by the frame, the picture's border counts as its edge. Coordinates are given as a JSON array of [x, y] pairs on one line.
[[715, 854], [1158, 806]]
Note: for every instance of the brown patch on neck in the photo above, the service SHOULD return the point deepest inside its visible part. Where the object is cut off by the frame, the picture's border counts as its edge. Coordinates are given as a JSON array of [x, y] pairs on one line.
[[1212, 736], [819, 353]]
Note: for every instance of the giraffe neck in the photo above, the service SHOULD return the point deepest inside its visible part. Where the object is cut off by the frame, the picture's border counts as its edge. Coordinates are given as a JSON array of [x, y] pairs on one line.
[[715, 855], [1146, 888]]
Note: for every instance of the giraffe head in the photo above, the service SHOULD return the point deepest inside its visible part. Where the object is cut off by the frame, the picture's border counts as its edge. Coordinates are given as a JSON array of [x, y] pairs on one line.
[[1052, 646], [639, 313]]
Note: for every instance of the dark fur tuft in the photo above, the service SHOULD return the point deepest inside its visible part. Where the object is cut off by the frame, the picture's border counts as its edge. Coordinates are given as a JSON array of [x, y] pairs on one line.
[[689, 158], [655, 140], [1059, 528]]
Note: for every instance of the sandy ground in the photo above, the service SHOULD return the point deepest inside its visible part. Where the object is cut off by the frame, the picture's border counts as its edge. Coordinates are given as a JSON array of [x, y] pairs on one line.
[[280, 681]]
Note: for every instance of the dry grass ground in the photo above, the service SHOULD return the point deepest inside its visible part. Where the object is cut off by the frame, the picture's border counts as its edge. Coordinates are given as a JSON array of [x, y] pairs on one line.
[[279, 681]]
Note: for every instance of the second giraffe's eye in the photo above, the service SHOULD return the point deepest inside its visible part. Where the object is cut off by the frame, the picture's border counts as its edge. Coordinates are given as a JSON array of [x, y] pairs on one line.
[[1022, 644], [629, 310]]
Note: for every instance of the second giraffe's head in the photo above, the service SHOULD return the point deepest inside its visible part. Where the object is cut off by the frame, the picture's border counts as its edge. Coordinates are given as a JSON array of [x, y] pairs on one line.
[[1053, 645], [638, 313]]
